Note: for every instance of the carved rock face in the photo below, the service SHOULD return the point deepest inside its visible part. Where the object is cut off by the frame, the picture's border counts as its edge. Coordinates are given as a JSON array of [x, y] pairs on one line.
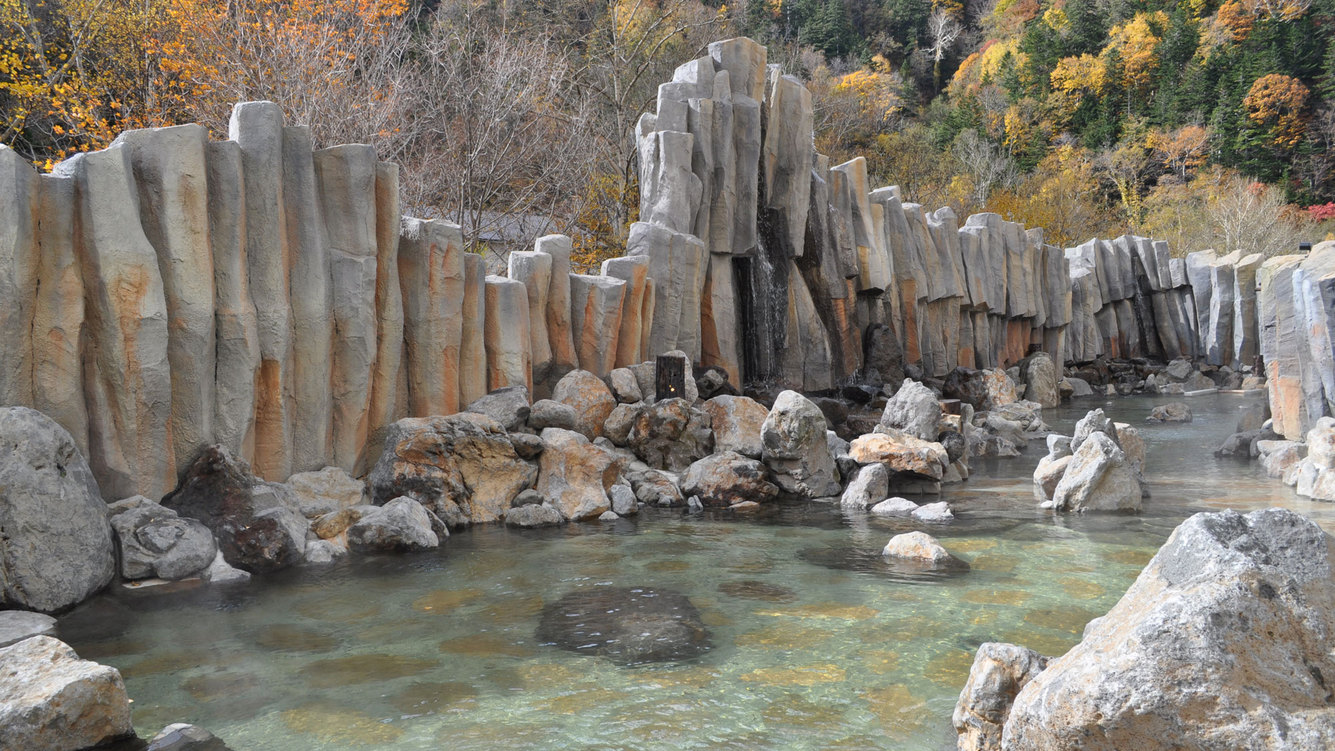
[[627, 625]]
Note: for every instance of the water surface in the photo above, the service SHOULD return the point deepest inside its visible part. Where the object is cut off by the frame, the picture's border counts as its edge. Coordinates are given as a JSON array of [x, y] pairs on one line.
[[817, 643]]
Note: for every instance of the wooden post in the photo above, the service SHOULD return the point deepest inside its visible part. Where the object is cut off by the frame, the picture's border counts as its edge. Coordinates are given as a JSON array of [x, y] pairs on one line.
[[669, 377]]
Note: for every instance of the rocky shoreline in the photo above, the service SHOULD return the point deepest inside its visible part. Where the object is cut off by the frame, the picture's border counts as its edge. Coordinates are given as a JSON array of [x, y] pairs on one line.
[[588, 454]]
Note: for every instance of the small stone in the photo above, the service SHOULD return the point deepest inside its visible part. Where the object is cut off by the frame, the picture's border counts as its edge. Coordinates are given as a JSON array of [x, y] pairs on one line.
[[624, 502], [1173, 412], [894, 507], [526, 497], [533, 515], [934, 512], [923, 548], [221, 572], [625, 387], [184, 737], [608, 516]]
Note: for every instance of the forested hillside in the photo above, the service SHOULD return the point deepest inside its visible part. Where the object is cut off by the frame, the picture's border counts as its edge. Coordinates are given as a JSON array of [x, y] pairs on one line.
[[1210, 125], [1185, 120]]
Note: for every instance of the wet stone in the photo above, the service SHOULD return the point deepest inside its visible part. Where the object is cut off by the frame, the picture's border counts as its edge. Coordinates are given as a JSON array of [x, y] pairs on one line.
[[627, 625], [372, 668], [750, 589]]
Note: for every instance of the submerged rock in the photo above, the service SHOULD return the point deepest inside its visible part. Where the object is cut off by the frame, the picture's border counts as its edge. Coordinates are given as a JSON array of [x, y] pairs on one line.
[[55, 542], [1225, 640], [922, 548], [51, 699], [627, 625], [1172, 412]]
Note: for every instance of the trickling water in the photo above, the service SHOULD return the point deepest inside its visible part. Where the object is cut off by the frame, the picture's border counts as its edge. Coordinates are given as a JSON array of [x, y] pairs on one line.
[[815, 643]]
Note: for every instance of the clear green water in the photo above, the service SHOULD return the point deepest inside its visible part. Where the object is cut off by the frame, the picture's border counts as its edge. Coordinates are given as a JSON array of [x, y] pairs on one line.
[[817, 644]]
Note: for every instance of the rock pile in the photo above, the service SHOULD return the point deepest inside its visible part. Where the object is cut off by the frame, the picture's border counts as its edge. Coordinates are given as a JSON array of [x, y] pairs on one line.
[[1223, 641], [1097, 469]]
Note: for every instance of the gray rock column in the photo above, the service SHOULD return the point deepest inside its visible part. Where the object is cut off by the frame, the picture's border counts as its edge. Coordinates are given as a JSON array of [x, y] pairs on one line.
[[634, 271], [236, 324], [388, 371], [58, 314], [346, 179], [534, 269], [311, 295], [595, 316], [509, 362], [677, 265], [559, 336], [18, 274], [258, 128], [1244, 309], [432, 278], [472, 350], [172, 179], [126, 371]]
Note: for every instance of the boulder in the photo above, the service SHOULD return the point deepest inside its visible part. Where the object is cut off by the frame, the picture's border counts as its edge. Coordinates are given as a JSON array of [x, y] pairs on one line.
[[508, 406], [180, 736], [534, 515], [1223, 641], [921, 547], [655, 488], [915, 410], [737, 423], [796, 449], [671, 434], [624, 502], [1099, 477], [1173, 412], [56, 547], [1079, 387], [1048, 474], [548, 413], [575, 475], [400, 526], [727, 478], [329, 489], [999, 387], [220, 491], [1278, 456], [627, 625], [51, 699], [17, 625], [998, 673], [1093, 422], [894, 507], [156, 542], [589, 397], [619, 423], [463, 468], [1179, 370], [869, 488], [938, 512], [901, 452], [1040, 379], [222, 572], [624, 386], [967, 385]]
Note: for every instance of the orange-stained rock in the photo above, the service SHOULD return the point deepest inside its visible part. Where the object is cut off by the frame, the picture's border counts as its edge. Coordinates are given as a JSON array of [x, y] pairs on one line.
[[595, 317], [258, 129], [172, 181], [431, 275], [634, 271], [900, 452], [559, 333], [509, 362], [590, 397], [575, 475], [461, 467], [737, 421], [346, 177], [127, 376], [534, 269], [388, 369]]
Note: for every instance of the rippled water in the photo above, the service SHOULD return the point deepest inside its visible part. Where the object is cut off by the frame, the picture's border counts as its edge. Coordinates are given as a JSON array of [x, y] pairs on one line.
[[816, 642]]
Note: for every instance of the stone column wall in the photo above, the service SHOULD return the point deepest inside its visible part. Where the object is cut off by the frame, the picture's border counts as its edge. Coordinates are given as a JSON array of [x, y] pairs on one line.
[[169, 292]]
